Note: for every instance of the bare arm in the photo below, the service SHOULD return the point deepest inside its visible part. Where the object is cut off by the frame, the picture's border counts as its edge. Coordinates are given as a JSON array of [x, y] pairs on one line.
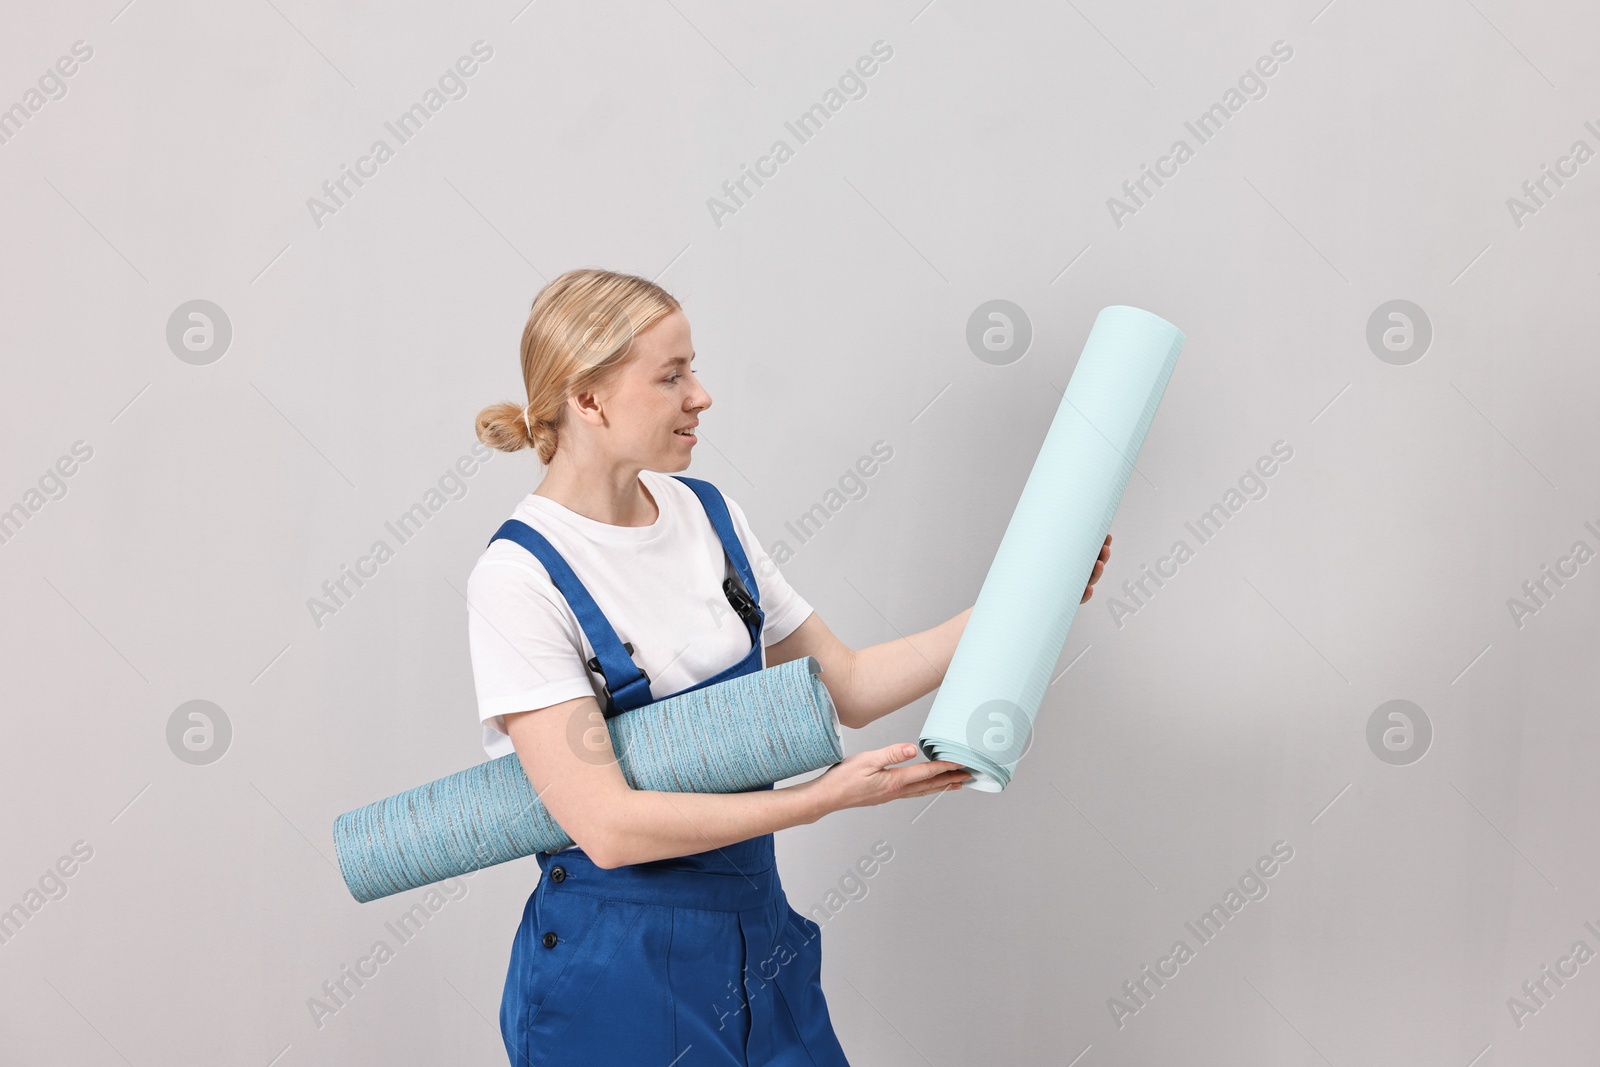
[[566, 752], [870, 683]]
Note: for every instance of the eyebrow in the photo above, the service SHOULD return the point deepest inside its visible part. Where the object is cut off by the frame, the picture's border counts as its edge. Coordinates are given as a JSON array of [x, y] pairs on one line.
[[677, 361]]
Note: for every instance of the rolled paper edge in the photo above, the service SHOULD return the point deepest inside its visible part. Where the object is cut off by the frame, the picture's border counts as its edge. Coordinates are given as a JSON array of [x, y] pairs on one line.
[[347, 859], [989, 776], [825, 705], [1155, 320]]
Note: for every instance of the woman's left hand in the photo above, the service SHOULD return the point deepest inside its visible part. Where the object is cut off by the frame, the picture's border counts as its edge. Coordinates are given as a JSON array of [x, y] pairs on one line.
[[1099, 568]]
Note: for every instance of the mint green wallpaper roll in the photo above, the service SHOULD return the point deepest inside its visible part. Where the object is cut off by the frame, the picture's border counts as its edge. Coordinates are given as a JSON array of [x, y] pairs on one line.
[[983, 714]]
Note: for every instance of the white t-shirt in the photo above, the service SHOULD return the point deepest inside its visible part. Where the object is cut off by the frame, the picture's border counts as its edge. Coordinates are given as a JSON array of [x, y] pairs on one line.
[[660, 587]]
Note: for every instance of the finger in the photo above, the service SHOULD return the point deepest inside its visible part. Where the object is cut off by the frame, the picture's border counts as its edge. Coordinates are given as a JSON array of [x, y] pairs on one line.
[[925, 773], [950, 767], [914, 776], [885, 757], [940, 765]]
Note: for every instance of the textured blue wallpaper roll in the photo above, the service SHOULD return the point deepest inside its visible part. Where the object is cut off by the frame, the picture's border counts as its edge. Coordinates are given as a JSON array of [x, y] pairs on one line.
[[741, 734], [982, 717]]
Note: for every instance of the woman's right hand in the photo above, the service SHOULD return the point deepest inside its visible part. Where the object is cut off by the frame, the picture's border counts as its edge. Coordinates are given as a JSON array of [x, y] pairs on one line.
[[868, 778]]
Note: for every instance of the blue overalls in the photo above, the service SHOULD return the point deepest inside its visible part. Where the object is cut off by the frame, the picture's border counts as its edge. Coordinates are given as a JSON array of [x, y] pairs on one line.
[[699, 956]]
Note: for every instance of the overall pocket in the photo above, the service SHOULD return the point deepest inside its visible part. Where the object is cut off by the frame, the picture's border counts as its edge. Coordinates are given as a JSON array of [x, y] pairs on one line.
[[799, 982], [570, 944]]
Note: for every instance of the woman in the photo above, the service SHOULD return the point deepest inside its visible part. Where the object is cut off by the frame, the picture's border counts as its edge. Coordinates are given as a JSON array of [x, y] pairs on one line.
[[664, 932]]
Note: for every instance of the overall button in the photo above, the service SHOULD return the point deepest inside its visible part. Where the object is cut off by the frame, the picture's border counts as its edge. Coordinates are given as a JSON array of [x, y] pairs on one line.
[[558, 873], [549, 939]]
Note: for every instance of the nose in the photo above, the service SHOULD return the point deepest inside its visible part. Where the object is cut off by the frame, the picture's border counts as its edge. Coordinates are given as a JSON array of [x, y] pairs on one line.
[[701, 399]]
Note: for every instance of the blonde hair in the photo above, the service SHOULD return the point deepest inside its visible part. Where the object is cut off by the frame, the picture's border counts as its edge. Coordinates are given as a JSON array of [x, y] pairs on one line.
[[579, 330]]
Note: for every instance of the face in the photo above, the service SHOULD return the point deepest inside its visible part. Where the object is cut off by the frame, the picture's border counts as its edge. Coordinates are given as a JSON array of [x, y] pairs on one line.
[[655, 394]]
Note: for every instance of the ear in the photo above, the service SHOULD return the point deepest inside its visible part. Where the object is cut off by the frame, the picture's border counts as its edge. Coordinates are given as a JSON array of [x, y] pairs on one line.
[[586, 406]]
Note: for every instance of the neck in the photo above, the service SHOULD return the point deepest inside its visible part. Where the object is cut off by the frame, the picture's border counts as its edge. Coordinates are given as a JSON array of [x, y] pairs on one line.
[[614, 496]]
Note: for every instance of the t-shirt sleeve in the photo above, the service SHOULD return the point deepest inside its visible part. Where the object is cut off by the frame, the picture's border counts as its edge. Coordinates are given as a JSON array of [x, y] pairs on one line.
[[784, 608], [526, 652]]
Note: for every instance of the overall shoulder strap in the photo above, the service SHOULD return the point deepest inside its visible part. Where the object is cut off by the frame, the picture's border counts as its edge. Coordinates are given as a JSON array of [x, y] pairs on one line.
[[717, 511], [615, 663]]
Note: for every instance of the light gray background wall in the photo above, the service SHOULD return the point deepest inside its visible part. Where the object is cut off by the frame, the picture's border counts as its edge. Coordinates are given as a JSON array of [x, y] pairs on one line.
[[830, 311]]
